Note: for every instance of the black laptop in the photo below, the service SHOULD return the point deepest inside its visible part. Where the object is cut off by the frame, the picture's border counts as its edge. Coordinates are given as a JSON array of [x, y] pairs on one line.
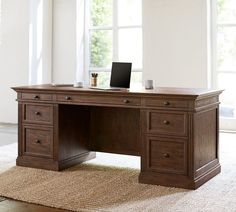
[[120, 76]]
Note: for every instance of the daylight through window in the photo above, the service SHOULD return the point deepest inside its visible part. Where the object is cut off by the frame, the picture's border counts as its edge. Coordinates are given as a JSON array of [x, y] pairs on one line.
[[225, 76], [114, 33]]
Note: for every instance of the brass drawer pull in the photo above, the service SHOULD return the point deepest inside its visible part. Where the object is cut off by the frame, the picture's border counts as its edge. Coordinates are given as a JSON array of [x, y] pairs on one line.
[[68, 98], [36, 97], [166, 122], [37, 113], [37, 141], [166, 155], [166, 103], [126, 101]]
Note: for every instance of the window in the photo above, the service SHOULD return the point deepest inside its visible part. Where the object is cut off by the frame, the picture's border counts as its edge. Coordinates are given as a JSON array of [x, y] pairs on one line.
[[114, 33], [225, 54]]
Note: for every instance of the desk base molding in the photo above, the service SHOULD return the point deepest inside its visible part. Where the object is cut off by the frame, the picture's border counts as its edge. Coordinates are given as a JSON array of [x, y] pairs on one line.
[[50, 164], [178, 181], [210, 174], [37, 162], [76, 160]]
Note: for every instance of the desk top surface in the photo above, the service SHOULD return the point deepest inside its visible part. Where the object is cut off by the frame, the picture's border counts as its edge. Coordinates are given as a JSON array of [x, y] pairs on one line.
[[196, 92]]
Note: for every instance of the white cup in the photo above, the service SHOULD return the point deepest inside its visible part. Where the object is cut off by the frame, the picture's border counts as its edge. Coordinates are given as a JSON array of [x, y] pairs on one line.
[[78, 84], [148, 84]]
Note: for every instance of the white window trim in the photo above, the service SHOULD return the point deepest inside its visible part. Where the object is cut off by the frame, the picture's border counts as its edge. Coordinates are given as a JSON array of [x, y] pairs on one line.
[[108, 69], [115, 43]]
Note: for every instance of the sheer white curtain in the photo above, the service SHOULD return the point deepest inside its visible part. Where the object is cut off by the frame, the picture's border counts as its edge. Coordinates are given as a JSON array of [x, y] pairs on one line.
[[40, 44], [40, 41], [81, 69]]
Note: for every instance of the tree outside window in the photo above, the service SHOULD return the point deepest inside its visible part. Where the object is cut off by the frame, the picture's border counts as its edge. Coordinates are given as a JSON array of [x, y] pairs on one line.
[[114, 34]]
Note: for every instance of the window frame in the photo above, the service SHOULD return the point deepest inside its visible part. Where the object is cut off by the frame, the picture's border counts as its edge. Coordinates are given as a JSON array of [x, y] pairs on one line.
[[227, 124], [115, 43]]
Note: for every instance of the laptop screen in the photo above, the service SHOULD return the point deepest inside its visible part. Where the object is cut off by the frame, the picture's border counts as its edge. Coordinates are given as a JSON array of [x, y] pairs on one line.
[[120, 75]]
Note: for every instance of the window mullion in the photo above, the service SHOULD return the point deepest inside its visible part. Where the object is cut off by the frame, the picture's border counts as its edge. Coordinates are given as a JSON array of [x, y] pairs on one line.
[[101, 28], [226, 24], [226, 71], [130, 27]]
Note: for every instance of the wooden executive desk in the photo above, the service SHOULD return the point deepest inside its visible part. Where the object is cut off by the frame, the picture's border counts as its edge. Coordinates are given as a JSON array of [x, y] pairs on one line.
[[174, 130]]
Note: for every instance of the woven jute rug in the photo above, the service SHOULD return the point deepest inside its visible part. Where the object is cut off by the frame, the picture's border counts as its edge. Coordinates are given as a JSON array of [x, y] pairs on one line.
[[100, 188], [92, 187]]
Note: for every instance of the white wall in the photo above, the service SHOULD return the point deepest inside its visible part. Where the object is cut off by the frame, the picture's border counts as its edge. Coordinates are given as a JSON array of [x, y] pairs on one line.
[[64, 41], [13, 55], [175, 42], [175, 45], [14, 48]]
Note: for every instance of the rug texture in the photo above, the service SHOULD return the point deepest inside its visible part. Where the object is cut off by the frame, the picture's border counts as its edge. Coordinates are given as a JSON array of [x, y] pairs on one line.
[[99, 188], [92, 187]]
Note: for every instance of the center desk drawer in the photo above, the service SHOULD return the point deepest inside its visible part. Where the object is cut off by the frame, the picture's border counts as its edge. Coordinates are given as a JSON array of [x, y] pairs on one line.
[[41, 114], [168, 123], [111, 100]]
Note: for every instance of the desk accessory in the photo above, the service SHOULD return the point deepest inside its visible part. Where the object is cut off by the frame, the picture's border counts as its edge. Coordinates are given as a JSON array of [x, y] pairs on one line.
[[78, 85], [148, 84], [94, 77]]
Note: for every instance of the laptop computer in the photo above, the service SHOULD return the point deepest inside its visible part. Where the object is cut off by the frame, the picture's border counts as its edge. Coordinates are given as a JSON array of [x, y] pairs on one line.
[[120, 77]]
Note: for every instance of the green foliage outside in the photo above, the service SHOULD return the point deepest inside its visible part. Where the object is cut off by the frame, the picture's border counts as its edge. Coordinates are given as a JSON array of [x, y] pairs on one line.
[[220, 5], [101, 12], [101, 40], [101, 15], [100, 48]]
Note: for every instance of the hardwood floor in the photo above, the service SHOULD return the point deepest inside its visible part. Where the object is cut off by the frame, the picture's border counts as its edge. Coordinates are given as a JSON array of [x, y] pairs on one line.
[[7, 205]]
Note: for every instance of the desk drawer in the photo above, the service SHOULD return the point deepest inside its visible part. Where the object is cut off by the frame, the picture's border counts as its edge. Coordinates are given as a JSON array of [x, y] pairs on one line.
[[168, 123], [36, 96], [41, 114], [166, 155], [38, 141], [166, 103], [100, 100]]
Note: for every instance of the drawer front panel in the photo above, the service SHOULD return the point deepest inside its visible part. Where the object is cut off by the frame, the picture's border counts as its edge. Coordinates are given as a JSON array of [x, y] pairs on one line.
[[36, 96], [42, 114], [166, 103], [168, 123], [167, 156], [38, 142], [120, 100]]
